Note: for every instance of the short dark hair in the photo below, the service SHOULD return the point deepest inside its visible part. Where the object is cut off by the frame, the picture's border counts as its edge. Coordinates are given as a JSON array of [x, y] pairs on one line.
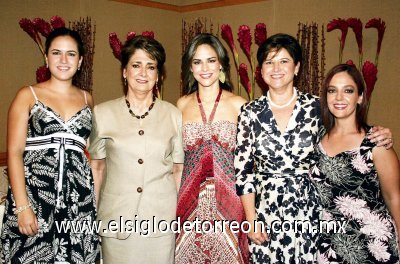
[[361, 112], [277, 42], [190, 85], [59, 32], [151, 46]]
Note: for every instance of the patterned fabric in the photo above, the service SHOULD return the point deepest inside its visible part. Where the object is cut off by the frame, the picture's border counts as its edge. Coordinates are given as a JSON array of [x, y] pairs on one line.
[[348, 185], [208, 194], [274, 166], [76, 199]]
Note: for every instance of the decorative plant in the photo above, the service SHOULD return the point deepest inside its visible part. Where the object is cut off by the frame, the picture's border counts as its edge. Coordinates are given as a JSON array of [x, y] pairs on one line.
[[312, 71], [84, 77], [369, 70], [38, 28], [245, 41], [116, 46], [191, 29]]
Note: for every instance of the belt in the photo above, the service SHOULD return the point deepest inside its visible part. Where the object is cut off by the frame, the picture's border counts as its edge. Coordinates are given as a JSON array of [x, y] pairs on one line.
[[62, 142]]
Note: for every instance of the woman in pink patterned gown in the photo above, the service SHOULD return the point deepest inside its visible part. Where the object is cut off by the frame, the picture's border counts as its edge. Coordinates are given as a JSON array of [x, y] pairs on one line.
[[207, 194]]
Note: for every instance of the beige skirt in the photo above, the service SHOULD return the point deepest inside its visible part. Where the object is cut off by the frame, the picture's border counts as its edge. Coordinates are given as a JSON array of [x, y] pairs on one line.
[[138, 249]]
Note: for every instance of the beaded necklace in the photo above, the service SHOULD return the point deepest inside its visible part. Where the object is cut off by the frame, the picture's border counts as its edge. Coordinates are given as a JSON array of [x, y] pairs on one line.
[[140, 116]]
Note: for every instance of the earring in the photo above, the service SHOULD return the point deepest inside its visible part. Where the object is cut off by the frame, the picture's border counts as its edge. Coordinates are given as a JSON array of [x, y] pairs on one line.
[[295, 74], [221, 76], [125, 81]]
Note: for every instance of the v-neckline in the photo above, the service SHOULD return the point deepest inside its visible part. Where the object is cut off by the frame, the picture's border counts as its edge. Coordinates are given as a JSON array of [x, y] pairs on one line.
[[203, 113], [294, 113], [58, 116]]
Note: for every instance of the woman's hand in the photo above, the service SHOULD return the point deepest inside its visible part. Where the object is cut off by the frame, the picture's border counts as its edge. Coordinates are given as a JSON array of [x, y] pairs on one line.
[[27, 222], [382, 136], [257, 234]]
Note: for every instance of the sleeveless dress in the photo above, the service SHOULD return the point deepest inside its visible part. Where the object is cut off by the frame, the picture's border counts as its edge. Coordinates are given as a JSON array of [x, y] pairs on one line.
[[59, 184], [348, 185], [208, 196]]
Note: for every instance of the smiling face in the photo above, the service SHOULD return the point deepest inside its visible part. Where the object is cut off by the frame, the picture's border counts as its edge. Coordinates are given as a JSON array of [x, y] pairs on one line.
[[63, 58], [342, 96], [206, 66], [278, 69], [141, 72]]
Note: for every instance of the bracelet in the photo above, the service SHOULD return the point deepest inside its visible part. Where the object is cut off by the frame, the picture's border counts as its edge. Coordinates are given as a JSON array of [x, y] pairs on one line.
[[21, 208]]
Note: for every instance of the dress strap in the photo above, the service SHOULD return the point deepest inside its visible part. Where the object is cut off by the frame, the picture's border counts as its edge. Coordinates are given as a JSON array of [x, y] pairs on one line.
[[33, 92], [84, 93], [203, 114]]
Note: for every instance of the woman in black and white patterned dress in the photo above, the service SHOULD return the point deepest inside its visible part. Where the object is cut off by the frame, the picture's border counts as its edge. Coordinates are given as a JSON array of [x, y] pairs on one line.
[[51, 183], [275, 141]]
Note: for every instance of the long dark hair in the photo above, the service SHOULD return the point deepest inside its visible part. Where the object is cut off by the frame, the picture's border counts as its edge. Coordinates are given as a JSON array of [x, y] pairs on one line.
[[361, 111], [190, 85]]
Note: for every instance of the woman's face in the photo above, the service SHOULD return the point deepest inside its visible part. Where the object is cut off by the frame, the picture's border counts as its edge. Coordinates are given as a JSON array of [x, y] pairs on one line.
[[63, 58], [278, 69], [205, 66], [342, 96], [141, 72]]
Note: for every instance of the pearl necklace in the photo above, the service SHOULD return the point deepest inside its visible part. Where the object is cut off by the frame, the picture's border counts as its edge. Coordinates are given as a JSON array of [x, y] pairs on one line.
[[284, 105], [140, 116]]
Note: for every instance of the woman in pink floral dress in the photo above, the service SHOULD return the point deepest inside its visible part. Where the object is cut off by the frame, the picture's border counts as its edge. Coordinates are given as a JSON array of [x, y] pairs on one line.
[[207, 193], [359, 183]]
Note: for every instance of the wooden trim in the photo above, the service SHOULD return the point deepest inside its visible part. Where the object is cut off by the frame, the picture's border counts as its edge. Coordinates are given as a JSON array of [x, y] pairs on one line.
[[3, 158], [188, 8]]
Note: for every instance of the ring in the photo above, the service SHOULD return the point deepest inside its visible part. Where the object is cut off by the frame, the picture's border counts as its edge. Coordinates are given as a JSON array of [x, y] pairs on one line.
[[391, 140]]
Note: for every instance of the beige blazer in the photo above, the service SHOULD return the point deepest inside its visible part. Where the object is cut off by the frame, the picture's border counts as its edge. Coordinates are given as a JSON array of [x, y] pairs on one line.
[[139, 183]]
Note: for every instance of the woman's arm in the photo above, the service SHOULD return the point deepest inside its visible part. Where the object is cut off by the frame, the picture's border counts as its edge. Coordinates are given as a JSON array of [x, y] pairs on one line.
[[177, 172], [244, 170], [98, 170], [17, 126], [256, 234], [387, 166]]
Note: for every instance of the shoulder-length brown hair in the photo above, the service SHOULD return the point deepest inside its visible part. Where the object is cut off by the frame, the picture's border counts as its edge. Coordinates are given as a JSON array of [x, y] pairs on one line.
[[361, 112]]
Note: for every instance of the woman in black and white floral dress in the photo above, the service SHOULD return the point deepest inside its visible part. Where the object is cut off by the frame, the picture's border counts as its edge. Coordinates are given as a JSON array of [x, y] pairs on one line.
[[275, 141], [51, 183], [358, 182]]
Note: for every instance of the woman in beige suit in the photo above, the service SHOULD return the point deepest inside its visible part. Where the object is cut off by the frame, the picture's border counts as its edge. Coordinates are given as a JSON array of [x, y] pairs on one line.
[[137, 157]]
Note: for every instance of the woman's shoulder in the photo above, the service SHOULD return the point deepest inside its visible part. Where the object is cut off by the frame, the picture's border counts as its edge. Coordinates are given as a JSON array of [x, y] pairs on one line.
[[184, 101], [109, 105], [25, 94], [167, 105], [234, 99]]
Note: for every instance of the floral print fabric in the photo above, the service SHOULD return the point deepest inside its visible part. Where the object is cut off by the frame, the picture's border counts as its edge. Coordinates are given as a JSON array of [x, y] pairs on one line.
[[348, 186], [77, 201], [274, 166]]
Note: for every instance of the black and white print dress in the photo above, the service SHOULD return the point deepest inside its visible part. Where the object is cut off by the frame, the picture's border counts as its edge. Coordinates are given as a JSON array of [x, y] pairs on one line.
[[59, 184], [349, 190], [274, 166]]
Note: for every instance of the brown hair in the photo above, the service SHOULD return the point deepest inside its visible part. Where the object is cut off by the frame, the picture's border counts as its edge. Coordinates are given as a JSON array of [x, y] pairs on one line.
[[361, 111], [152, 47], [188, 82]]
